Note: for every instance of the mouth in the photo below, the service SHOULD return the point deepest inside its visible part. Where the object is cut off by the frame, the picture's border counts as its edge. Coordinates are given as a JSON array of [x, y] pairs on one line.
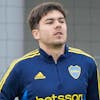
[[58, 33]]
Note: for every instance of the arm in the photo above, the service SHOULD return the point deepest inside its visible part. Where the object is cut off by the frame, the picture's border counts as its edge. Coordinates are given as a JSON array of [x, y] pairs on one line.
[[9, 84], [93, 90]]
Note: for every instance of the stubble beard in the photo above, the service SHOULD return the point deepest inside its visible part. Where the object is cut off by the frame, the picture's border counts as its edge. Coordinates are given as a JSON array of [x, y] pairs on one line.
[[57, 44]]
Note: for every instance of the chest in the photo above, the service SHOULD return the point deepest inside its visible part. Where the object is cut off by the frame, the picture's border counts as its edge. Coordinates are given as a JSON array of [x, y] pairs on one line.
[[61, 78]]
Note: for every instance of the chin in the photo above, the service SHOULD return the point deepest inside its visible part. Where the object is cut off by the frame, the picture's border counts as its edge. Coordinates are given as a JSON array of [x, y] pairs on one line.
[[59, 44]]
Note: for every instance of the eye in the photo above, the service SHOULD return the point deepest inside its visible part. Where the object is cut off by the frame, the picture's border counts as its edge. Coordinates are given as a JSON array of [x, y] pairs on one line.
[[62, 21], [49, 22]]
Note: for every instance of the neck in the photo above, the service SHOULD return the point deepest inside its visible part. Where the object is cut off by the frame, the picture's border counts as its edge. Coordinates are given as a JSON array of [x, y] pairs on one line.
[[54, 51]]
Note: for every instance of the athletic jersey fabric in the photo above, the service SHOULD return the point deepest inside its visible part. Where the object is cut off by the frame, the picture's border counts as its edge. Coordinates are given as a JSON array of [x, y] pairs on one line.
[[36, 76]]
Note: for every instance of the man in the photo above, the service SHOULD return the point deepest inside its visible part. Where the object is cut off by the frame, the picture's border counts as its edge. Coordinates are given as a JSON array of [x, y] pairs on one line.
[[54, 71]]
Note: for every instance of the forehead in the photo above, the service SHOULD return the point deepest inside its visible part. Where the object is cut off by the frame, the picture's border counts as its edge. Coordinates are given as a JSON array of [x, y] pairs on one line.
[[55, 14]]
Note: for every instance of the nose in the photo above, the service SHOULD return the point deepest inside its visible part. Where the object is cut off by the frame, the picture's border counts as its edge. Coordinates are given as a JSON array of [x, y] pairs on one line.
[[58, 25]]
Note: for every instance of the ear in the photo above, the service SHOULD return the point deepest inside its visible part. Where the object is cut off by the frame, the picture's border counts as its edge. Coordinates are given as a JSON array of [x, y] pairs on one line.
[[35, 34]]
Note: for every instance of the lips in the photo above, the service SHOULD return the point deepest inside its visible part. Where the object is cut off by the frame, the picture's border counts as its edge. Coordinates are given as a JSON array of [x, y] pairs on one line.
[[58, 33]]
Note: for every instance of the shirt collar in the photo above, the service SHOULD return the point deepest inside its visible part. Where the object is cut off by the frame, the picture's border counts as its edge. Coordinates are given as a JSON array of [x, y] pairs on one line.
[[46, 56]]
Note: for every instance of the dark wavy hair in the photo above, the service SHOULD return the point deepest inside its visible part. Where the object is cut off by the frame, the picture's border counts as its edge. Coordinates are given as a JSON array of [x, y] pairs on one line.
[[41, 10]]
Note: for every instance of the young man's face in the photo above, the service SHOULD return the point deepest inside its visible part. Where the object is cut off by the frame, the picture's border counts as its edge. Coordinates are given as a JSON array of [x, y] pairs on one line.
[[52, 29]]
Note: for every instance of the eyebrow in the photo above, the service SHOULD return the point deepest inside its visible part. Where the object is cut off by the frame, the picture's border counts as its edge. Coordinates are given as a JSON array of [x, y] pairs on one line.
[[53, 18]]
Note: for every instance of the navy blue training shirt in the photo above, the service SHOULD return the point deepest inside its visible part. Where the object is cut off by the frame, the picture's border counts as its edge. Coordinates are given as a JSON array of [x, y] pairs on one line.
[[36, 76]]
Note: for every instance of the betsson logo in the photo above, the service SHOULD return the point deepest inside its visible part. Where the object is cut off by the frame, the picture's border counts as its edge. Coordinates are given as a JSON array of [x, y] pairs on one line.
[[62, 97]]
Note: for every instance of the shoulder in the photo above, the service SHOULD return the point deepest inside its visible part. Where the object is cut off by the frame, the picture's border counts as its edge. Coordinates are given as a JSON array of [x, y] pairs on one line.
[[84, 57], [31, 54], [18, 62], [80, 52]]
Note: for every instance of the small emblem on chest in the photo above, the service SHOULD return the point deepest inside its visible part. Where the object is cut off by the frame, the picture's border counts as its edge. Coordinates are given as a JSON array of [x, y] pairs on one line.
[[74, 71], [39, 75]]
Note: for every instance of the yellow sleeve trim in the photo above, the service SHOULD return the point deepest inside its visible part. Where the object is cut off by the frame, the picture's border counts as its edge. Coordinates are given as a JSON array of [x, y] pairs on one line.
[[32, 53], [28, 55], [98, 74], [6, 75], [78, 51]]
